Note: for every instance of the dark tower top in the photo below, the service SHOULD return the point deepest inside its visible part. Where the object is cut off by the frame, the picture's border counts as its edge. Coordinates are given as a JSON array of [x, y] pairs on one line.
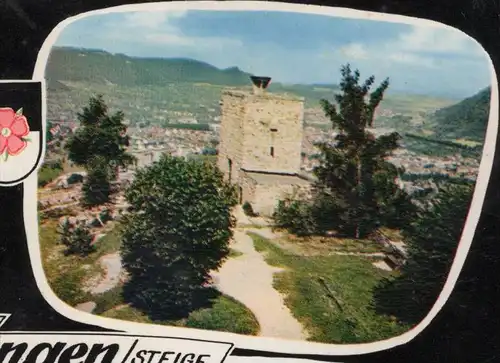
[[260, 83]]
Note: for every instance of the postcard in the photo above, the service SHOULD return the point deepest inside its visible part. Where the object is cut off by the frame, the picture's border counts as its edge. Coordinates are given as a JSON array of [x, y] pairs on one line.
[[206, 178]]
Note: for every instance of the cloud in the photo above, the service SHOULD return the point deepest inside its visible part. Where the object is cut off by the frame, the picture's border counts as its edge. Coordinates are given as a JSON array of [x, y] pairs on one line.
[[411, 59], [153, 20], [161, 29], [420, 46], [181, 40], [354, 51], [434, 40]]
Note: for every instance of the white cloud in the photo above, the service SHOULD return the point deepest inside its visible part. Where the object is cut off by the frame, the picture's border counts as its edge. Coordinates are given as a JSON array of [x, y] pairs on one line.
[[418, 47], [434, 40], [354, 51], [159, 29], [179, 39], [411, 59], [152, 20]]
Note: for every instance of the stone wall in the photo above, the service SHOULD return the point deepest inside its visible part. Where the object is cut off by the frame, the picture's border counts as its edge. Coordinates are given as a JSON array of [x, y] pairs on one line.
[[247, 188], [231, 133], [252, 124], [276, 122], [267, 196]]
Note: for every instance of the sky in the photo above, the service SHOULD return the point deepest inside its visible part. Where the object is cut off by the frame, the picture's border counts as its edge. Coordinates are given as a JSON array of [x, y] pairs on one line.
[[295, 47]]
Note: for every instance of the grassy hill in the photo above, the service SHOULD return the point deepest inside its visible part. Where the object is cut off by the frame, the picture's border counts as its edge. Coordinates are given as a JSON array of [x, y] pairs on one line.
[[467, 119], [100, 67], [163, 91]]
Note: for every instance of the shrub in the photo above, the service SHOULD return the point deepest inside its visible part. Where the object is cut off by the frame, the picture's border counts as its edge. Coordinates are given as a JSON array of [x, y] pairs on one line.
[[65, 231], [248, 210], [75, 178], [105, 215], [296, 216], [178, 231], [80, 241]]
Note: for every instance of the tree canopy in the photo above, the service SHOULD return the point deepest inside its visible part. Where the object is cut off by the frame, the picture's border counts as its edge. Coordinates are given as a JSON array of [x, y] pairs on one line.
[[99, 135], [356, 190], [178, 231], [431, 240], [99, 145]]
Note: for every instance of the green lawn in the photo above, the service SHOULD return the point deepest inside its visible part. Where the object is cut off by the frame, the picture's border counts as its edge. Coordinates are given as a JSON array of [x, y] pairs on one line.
[[67, 274], [226, 314], [330, 295]]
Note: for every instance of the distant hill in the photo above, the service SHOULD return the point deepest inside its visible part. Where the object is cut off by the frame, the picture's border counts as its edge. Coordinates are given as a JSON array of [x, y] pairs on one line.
[[100, 67], [467, 119]]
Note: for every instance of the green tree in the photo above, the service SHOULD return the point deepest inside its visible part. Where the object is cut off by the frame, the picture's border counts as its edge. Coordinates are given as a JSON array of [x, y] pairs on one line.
[[48, 134], [96, 188], [99, 135], [431, 243], [79, 241], [354, 174], [65, 229], [178, 230]]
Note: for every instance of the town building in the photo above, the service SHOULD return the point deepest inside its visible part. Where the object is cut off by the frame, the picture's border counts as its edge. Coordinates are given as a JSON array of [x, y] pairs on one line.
[[261, 143]]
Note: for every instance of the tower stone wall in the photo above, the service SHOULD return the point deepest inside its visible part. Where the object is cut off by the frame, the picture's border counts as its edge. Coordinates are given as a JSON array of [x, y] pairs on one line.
[[260, 132], [260, 144]]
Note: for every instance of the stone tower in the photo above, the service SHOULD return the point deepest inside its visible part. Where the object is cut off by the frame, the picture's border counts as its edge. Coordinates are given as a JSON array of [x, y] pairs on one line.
[[260, 132]]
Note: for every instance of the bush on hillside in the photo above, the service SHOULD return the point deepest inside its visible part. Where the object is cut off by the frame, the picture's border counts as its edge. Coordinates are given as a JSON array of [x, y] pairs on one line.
[[178, 230], [248, 210], [79, 241], [296, 216]]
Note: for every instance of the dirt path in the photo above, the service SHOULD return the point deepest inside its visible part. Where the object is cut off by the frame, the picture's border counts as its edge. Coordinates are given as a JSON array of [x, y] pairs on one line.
[[249, 279], [112, 265]]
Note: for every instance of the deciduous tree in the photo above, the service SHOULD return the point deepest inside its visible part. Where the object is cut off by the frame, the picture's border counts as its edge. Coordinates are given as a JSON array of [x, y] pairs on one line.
[[178, 230]]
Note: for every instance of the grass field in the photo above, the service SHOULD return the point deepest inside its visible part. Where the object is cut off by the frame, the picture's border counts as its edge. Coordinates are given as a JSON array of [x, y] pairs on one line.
[[226, 314], [330, 295], [67, 276]]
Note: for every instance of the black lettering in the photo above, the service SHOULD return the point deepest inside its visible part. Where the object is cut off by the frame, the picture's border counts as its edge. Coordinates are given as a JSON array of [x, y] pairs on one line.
[[74, 352], [17, 352], [52, 354], [176, 360], [188, 358], [153, 353], [140, 356], [200, 358], [109, 352], [164, 357]]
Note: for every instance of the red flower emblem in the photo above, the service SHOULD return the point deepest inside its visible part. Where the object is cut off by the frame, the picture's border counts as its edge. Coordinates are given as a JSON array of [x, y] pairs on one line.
[[13, 129]]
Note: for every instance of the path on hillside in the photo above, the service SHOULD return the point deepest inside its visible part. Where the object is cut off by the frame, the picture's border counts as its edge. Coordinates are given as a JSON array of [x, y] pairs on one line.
[[112, 266], [249, 279]]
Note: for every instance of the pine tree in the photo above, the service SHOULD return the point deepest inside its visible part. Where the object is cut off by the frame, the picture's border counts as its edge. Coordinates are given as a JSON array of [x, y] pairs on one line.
[[96, 189], [80, 242], [354, 178], [100, 135], [65, 231], [178, 230], [432, 240]]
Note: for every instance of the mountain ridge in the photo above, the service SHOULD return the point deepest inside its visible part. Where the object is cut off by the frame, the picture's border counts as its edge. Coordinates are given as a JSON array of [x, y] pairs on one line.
[[94, 65], [465, 119]]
